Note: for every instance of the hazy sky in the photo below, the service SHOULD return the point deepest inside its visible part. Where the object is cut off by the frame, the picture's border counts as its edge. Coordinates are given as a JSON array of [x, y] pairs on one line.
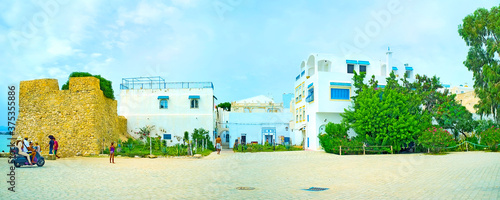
[[245, 47]]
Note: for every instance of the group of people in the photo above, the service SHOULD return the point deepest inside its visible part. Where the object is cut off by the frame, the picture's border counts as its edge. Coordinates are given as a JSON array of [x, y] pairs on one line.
[[33, 148], [26, 147]]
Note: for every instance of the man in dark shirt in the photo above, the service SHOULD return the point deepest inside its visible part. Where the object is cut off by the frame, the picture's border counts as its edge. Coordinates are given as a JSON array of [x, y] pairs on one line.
[[51, 144]]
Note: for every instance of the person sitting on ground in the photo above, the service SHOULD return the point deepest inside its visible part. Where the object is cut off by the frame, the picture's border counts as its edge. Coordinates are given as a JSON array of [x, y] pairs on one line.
[[20, 145]]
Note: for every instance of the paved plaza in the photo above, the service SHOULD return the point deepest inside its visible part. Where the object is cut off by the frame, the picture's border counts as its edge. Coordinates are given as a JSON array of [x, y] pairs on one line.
[[274, 175]]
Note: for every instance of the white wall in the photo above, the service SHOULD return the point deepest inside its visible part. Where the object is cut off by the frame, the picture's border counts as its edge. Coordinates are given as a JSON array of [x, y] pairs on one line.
[[141, 108], [252, 123]]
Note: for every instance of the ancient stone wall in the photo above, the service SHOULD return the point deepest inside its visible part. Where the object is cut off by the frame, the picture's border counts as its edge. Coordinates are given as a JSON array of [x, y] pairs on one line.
[[81, 118]]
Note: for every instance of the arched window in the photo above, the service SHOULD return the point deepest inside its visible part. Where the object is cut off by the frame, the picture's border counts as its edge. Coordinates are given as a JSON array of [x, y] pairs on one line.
[[163, 104], [194, 103], [322, 129]]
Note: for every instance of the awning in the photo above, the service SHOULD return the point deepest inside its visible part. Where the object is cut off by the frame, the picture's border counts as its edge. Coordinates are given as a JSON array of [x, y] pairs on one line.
[[194, 96], [351, 61], [362, 62], [409, 68], [162, 97], [339, 84], [310, 85], [394, 68]]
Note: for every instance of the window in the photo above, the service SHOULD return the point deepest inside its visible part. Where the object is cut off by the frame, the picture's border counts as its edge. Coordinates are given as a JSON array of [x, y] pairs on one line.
[[340, 94], [163, 104], [303, 114], [350, 69], [310, 94], [408, 74], [307, 118], [194, 103], [362, 68], [300, 114]]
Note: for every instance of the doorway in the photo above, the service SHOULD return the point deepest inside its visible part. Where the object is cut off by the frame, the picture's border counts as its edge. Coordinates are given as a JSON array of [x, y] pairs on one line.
[[269, 139]]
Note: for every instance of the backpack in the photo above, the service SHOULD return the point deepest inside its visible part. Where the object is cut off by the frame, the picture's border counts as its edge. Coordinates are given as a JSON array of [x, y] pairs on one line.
[[56, 145]]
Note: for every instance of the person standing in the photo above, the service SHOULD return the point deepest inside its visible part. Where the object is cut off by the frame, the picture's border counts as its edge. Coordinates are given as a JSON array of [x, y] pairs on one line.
[[51, 144], [218, 142], [56, 146], [112, 152]]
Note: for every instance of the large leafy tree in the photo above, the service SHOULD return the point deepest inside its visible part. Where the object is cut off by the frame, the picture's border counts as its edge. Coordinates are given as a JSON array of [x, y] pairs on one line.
[[481, 32], [390, 116], [452, 115]]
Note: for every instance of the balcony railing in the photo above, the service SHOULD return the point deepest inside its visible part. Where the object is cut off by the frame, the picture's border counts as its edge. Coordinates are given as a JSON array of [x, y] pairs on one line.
[[159, 83]]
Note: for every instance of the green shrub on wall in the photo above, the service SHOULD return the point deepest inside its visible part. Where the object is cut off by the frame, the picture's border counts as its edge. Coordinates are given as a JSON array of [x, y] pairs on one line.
[[105, 85]]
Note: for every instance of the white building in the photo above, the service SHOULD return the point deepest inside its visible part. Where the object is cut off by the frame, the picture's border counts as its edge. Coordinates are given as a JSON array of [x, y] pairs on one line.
[[254, 120], [324, 87], [172, 107]]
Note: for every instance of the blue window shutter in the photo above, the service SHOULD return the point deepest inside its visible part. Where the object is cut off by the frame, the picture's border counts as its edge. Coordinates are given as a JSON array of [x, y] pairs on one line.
[[307, 118], [341, 94]]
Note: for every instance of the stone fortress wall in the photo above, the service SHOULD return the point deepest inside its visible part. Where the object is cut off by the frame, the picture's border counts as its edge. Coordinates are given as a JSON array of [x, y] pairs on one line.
[[79, 118]]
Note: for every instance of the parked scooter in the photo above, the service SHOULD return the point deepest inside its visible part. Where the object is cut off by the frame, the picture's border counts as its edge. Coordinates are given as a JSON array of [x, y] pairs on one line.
[[20, 160]]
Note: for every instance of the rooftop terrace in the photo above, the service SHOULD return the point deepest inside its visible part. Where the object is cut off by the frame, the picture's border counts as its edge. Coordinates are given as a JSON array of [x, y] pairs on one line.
[[157, 82]]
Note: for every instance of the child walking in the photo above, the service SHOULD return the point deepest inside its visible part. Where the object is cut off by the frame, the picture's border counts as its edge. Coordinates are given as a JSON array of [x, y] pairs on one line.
[[112, 153]]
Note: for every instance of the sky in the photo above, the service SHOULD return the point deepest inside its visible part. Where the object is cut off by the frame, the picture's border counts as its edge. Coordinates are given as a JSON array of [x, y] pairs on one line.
[[245, 47]]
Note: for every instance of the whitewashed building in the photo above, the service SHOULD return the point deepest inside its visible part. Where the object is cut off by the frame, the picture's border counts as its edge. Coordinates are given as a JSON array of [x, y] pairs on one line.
[[324, 87], [255, 120], [172, 107]]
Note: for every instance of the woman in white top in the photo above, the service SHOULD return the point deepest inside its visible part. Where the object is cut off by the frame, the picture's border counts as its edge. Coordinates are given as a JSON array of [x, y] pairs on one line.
[[20, 147]]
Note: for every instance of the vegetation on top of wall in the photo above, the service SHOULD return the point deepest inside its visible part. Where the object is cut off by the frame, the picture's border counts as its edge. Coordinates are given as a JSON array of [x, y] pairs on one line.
[[105, 84], [226, 106]]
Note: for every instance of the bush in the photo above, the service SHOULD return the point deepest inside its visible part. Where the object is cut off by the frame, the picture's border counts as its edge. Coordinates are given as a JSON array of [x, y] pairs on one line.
[[336, 136], [105, 84], [491, 137], [265, 148], [436, 139]]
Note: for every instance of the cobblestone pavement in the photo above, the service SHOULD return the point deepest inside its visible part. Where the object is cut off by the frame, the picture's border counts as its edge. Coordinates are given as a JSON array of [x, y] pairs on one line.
[[274, 175]]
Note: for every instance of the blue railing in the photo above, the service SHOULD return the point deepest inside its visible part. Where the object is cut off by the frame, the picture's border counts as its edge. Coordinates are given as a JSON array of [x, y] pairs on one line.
[[159, 83]]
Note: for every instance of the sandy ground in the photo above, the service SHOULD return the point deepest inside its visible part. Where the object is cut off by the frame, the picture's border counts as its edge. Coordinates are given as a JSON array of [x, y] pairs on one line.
[[274, 175]]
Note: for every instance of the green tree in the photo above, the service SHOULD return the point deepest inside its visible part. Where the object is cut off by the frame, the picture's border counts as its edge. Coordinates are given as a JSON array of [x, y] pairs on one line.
[[186, 138], [390, 116], [481, 34], [200, 135], [226, 106], [452, 115], [105, 85]]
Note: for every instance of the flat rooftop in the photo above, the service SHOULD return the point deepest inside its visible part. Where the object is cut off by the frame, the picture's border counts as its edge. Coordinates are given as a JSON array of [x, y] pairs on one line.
[[157, 82]]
